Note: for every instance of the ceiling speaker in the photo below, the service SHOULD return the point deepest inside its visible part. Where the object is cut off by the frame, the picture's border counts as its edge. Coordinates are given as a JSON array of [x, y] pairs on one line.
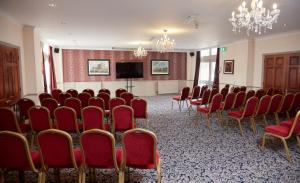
[[192, 54], [56, 50]]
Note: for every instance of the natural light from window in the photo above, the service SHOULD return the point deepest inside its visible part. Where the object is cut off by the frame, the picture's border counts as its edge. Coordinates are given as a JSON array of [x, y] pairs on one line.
[[207, 66]]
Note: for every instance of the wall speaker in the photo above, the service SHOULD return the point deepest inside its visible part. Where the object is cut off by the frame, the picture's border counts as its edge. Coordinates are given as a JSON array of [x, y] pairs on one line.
[[56, 50], [192, 54]]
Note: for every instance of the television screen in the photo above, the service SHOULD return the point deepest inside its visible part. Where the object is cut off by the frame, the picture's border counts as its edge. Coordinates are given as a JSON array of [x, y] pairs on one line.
[[129, 70]]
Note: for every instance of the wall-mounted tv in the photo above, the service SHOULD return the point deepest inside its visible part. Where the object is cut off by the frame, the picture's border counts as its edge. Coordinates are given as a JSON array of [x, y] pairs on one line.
[[129, 70]]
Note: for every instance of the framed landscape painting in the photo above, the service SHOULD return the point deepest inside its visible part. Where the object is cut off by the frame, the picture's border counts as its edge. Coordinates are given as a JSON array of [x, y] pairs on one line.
[[160, 67], [228, 67], [98, 67]]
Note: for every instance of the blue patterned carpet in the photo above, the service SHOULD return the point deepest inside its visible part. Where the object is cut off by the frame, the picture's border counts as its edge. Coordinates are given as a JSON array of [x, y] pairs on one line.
[[191, 153]]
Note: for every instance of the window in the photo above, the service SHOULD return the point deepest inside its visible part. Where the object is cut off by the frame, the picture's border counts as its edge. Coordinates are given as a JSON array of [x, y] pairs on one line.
[[47, 66], [207, 66]]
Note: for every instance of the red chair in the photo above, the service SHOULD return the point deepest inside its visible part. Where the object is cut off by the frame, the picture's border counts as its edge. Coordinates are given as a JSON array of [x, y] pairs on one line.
[[24, 104], [248, 112], [249, 94], [114, 102], [295, 104], [284, 131], [104, 90], [55, 94], [195, 93], [278, 91], [63, 97], [263, 107], [93, 117], [75, 104], [213, 92], [203, 101], [51, 104], [84, 98], [286, 104], [270, 91], [106, 99], [227, 104], [139, 107], [213, 107], [203, 88], [16, 155], [98, 150], [66, 120], [140, 150], [274, 106], [243, 88], [120, 91], [239, 100], [183, 97], [224, 92], [98, 102], [260, 93], [72, 92], [56, 149], [42, 96], [235, 89], [90, 91], [8, 121], [127, 97], [122, 119]]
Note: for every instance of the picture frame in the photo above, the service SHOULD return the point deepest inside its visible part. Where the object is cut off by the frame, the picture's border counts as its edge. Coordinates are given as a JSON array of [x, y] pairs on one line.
[[228, 67], [98, 67], [160, 67]]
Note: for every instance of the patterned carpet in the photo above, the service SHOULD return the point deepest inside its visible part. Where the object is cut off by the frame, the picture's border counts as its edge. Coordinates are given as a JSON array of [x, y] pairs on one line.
[[191, 153]]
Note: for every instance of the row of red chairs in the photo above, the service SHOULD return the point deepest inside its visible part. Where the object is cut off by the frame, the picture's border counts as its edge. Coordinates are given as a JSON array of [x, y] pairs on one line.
[[97, 150]]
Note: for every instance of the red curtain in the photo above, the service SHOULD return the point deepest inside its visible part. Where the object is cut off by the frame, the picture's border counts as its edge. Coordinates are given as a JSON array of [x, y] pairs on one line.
[[52, 70], [217, 68], [197, 68], [44, 72]]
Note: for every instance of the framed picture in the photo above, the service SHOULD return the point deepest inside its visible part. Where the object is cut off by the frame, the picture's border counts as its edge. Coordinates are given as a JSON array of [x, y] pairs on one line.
[[228, 66], [98, 67], [160, 67]]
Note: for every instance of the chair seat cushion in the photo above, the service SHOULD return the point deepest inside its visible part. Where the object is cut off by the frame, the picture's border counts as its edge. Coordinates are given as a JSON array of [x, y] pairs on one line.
[[119, 156], [36, 159], [235, 114], [78, 156], [148, 166], [204, 109], [288, 123], [196, 102], [278, 130], [177, 98], [106, 127], [24, 127]]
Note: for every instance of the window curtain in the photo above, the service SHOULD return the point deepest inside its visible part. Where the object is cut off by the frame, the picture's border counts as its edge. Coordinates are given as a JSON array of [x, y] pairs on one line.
[[197, 68], [52, 70], [217, 68], [44, 72]]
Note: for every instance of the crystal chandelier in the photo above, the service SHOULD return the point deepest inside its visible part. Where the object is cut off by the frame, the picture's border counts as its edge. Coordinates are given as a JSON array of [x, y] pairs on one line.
[[164, 43], [258, 19], [140, 52]]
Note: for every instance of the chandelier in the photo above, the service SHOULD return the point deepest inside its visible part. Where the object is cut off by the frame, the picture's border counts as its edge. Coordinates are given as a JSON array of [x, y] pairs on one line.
[[258, 19], [140, 52], [165, 43]]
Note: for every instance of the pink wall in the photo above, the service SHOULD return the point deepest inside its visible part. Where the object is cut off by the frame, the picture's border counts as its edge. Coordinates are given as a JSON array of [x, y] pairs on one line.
[[75, 64]]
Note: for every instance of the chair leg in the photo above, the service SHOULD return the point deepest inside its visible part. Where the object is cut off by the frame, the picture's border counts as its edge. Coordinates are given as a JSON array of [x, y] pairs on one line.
[[208, 121], [276, 118], [179, 105], [121, 176], [263, 142], [220, 118], [265, 120], [172, 104], [187, 105], [287, 114], [240, 126], [158, 172], [298, 140], [253, 124], [32, 140], [286, 149], [83, 175]]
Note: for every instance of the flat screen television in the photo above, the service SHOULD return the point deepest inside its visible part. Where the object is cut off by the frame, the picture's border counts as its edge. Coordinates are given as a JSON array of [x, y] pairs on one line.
[[129, 70]]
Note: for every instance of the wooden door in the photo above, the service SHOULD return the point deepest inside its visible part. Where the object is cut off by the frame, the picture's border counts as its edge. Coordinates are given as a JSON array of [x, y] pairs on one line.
[[293, 80]]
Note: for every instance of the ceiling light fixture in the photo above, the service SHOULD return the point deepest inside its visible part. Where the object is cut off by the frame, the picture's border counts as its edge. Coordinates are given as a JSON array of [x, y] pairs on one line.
[[257, 19], [165, 43], [52, 5], [140, 52]]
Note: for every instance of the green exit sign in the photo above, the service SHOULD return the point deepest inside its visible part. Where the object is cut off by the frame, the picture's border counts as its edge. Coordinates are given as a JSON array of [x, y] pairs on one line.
[[223, 49]]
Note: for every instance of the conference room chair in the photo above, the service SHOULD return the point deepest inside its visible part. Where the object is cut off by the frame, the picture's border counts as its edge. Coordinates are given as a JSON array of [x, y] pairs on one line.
[[9, 122], [15, 155], [213, 107], [213, 92], [224, 91], [127, 96], [284, 131], [62, 97], [84, 98], [195, 93], [90, 91], [249, 94], [119, 91], [140, 150], [239, 100], [243, 88], [72, 92], [122, 119], [51, 104], [23, 105], [93, 117], [203, 101], [114, 102], [75, 104], [278, 91], [227, 104], [55, 94], [247, 112], [296, 104], [139, 107], [260, 93], [203, 88], [235, 89], [270, 91], [98, 102], [42, 96], [262, 108], [182, 98], [56, 149], [106, 99], [99, 152], [274, 106], [286, 105], [105, 90]]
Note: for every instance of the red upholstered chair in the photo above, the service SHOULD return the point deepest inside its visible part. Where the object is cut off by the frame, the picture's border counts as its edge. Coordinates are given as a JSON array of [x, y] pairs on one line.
[[213, 92], [249, 94], [203, 88], [90, 91], [278, 91], [195, 93], [63, 97], [16, 155], [213, 107], [263, 107], [127, 97], [98, 150], [106, 99], [286, 104], [42, 96], [243, 88], [56, 149], [119, 92], [55, 94], [8, 121], [247, 112], [93, 117], [114, 102], [203, 101], [65, 118], [122, 119], [24, 104], [72, 92], [260, 93], [51, 104], [227, 104], [235, 89], [274, 106], [224, 92], [239, 100], [183, 97], [270, 91], [140, 150], [98, 102], [104, 90], [284, 131], [84, 98], [139, 107], [296, 103], [75, 104]]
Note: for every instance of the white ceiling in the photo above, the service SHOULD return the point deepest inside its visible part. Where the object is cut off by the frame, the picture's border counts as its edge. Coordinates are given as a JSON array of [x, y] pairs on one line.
[[125, 23]]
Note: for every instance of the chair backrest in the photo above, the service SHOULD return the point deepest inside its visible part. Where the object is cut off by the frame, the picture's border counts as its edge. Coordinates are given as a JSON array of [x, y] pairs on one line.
[[196, 92], [39, 118], [203, 88], [75, 104], [213, 92], [239, 99], [84, 98], [15, 153], [275, 103], [127, 97], [51, 104], [72, 92], [270, 91], [122, 118], [260, 93], [287, 102], [224, 92], [92, 117], [295, 128], [120, 91], [249, 94], [106, 99], [236, 89], [296, 102], [42, 96], [185, 93], [114, 102], [227, 86], [24, 104], [215, 103], [263, 105], [243, 88], [98, 102], [56, 148], [98, 149], [139, 107], [278, 91], [250, 107], [66, 120], [62, 97], [105, 90], [8, 120], [90, 91], [205, 97], [229, 101], [139, 148], [55, 94]]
